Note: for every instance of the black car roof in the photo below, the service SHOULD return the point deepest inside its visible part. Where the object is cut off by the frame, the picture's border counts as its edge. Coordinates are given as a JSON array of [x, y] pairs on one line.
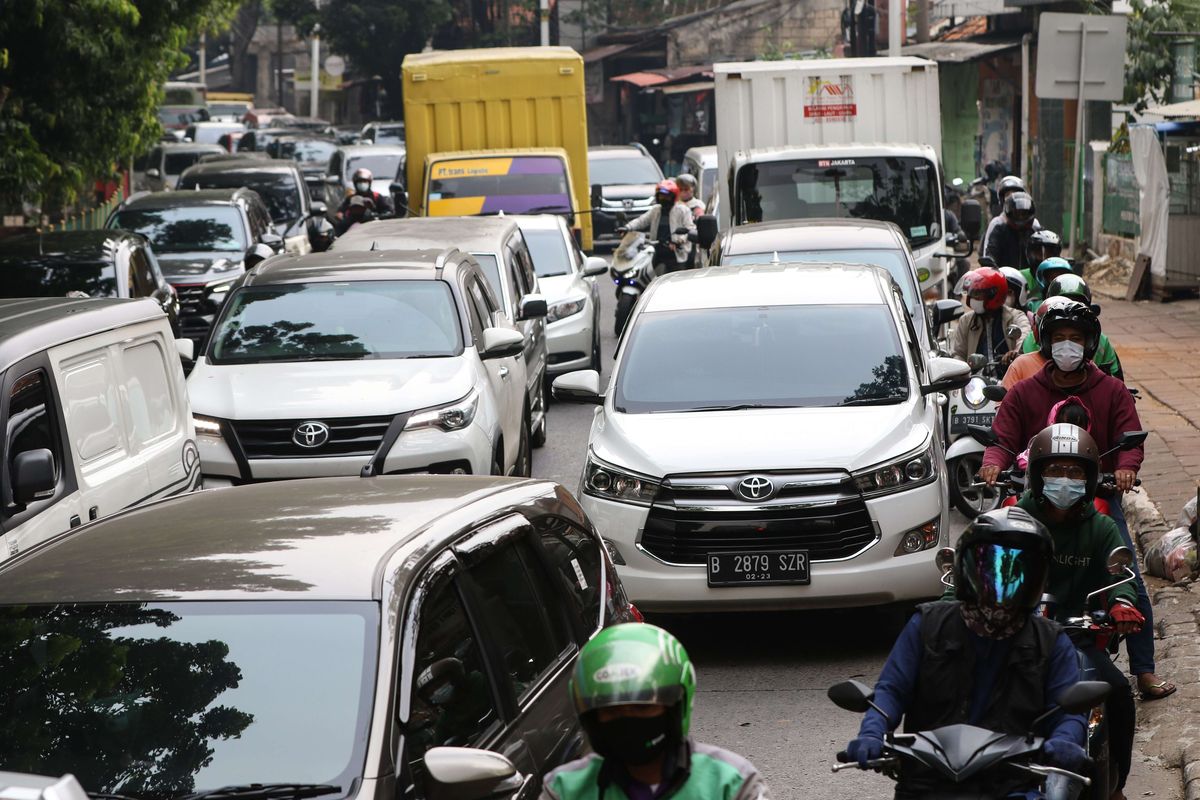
[[65, 246], [277, 166], [185, 198], [31, 324]]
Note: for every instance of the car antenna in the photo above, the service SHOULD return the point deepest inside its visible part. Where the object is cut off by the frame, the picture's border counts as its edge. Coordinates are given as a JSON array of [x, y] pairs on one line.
[[374, 245]]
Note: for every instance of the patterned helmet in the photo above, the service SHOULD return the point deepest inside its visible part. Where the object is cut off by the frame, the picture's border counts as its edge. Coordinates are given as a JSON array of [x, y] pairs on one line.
[[1063, 440]]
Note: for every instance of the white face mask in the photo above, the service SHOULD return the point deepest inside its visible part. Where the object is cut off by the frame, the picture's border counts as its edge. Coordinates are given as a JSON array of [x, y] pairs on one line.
[[977, 306], [1067, 355]]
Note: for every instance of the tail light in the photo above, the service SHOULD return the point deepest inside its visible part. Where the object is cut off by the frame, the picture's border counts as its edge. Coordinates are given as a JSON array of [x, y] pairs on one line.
[[637, 615]]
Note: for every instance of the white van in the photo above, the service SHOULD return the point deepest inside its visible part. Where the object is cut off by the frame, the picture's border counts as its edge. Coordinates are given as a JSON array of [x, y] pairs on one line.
[[94, 412]]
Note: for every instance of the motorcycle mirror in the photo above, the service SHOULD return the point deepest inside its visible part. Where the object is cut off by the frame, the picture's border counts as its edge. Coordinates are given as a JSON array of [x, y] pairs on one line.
[[976, 361], [597, 195], [995, 392], [851, 695], [983, 434], [1119, 560], [970, 218], [945, 560], [1131, 439], [987, 261], [706, 230], [1012, 332], [1082, 696]]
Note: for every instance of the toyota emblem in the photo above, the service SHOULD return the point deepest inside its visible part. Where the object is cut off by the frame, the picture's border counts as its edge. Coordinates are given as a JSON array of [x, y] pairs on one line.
[[311, 434], [756, 487]]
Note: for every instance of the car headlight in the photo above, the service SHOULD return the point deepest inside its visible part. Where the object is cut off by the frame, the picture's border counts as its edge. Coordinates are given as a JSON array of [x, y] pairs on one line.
[[565, 308], [450, 417], [896, 476], [206, 426], [220, 288], [610, 483], [972, 393]]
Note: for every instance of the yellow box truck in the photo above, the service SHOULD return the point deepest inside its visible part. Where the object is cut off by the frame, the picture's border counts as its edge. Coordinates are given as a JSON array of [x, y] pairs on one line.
[[497, 129]]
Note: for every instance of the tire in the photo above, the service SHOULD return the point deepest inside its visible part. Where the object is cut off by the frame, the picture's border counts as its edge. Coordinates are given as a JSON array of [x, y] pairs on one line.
[[498, 459], [596, 353], [523, 468], [969, 501], [1103, 772], [625, 304], [538, 439]]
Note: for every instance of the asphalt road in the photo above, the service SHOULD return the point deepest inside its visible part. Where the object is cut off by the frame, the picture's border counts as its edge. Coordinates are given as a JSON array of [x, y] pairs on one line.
[[761, 677]]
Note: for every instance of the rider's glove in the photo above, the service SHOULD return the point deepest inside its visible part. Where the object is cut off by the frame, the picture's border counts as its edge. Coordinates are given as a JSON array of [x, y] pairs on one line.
[[864, 749], [1121, 613], [1065, 754]]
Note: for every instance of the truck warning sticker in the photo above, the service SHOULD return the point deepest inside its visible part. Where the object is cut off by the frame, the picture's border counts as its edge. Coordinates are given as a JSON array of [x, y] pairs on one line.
[[830, 101]]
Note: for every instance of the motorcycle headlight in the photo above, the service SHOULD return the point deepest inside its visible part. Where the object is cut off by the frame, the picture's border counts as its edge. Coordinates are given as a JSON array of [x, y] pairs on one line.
[[450, 417], [565, 308], [972, 393], [904, 473], [610, 483], [206, 426]]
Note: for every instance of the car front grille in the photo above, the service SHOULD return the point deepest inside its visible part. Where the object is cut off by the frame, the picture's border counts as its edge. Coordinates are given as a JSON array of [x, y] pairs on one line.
[[694, 515], [349, 436], [191, 298]]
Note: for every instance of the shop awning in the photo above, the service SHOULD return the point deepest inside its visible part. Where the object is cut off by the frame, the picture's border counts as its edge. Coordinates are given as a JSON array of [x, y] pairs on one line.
[[1188, 108], [640, 79], [658, 77], [680, 88], [957, 52]]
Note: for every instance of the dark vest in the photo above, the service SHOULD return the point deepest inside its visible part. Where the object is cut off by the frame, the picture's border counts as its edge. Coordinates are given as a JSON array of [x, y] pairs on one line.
[[946, 674]]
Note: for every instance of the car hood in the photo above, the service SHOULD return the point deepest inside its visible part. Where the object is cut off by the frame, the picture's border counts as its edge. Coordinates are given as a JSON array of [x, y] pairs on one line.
[[200, 267], [628, 191], [324, 389], [556, 287], [766, 439]]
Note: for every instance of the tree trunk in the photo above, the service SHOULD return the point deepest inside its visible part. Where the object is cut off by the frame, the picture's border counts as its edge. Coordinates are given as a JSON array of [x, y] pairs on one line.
[[393, 106], [241, 34]]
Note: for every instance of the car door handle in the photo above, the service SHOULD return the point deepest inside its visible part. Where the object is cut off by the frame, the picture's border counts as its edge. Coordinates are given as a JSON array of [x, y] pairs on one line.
[[75, 522], [503, 372], [93, 512]]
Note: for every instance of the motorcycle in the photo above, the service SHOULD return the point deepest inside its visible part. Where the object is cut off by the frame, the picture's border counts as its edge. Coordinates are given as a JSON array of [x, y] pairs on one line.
[[964, 761], [973, 405], [632, 270]]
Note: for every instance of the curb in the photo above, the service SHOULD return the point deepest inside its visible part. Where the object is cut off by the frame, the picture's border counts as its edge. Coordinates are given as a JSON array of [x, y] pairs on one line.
[[1169, 729]]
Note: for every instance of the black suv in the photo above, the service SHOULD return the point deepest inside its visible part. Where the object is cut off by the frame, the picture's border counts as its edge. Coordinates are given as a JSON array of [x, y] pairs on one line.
[[623, 180], [104, 263], [201, 239], [297, 217]]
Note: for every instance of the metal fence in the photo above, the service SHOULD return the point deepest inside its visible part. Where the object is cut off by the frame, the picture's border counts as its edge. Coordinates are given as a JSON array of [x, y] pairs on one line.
[[92, 219], [1120, 196]]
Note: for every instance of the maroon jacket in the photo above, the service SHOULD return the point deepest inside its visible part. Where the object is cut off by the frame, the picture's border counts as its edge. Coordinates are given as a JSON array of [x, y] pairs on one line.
[[1025, 409]]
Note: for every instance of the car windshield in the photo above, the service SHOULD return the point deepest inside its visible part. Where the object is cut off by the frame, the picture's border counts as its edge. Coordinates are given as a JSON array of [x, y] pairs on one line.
[[491, 271], [891, 260], [337, 322], [518, 185], [609, 171], [305, 151], [718, 358], [211, 134], [176, 163], [277, 189], [549, 250], [388, 134], [899, 190], [31, 277], [381, 166], [161, 699], [187, 229]]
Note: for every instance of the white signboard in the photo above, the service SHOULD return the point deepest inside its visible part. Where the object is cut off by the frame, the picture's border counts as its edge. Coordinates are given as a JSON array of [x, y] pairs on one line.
[[1059, 59], [335, 65]]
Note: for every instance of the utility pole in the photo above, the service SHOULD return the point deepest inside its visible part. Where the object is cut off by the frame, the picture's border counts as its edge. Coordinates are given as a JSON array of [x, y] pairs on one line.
[[896, 11], [278, 61], [203, 58], [314, 92], [922, 20], [544, 13]]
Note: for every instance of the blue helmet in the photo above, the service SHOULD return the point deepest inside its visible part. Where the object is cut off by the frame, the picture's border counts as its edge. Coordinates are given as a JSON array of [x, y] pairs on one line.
[[1054, 264]]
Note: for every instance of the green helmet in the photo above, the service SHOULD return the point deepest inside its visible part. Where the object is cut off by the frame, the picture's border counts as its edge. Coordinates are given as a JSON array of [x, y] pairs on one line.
[[634, 664], [1072, 286]]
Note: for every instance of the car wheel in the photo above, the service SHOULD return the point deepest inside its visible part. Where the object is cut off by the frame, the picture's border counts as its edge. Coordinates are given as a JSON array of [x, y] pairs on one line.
[[969, 499], [524, 466]]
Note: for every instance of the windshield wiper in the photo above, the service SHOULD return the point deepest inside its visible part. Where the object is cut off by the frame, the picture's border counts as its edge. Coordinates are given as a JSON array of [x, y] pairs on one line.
[[265, 791], [887, 400], [734, 407], [110, 796], [544, 209]]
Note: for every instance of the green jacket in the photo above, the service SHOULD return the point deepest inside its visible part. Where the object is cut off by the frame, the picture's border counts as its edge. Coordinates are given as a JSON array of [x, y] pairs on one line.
[[1081, 549], [712, 774], [1105, 358]]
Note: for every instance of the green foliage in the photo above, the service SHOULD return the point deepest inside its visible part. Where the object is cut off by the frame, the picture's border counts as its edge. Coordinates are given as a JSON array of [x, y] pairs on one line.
[[376, 35], [1149, 63], [82, 83]]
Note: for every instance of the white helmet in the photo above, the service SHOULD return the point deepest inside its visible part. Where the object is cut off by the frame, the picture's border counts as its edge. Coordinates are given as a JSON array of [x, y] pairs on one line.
[[1017, 284]]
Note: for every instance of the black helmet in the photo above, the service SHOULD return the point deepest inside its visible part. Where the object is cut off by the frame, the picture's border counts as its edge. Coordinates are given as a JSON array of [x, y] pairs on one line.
[[1002, 559], [1072, 286], [1009, 184], [1063, 440], [1043, 244], [1019, 210], [1075, 315]]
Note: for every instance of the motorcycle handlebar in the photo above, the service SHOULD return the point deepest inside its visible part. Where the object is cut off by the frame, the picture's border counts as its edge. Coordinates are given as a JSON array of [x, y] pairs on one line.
[[875, 763]]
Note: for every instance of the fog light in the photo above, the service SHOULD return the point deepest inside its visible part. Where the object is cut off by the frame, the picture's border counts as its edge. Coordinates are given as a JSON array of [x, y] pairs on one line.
[[918, 539], [613, 552], [912, 542]]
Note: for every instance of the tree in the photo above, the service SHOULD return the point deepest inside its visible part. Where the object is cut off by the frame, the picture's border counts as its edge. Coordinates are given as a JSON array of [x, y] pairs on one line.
[[1149, 64], [376, 35], [82, 86]]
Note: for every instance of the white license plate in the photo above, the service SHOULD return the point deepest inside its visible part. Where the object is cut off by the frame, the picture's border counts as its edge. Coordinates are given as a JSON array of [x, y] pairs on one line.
[[758, 568], [630, 290]]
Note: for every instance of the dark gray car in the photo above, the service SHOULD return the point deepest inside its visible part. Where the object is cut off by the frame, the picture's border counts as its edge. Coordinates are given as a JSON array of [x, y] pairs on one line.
[[329, 632]]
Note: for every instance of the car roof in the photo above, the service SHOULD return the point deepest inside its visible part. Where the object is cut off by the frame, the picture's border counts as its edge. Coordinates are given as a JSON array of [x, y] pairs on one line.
[[352, 150], [768, 285], [316, 538], [191, 147], [415, 263], [421, 233], [812, 234], [31, 324], [603, 151], [538, 222], [706, 155], [65, 246], [184, 198]]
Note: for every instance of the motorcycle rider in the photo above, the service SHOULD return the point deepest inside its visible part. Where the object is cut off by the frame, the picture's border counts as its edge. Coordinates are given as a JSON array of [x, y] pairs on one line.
[[1070, 336], [981, 657], [1047, 270], [1073, 287], [1042, 244], [1064, 468], [1007, 185], [633, 687], [1018, 290], [987, 295], [672, 250], [358, 210], [687, 193], [380, 204], [1006, 244]]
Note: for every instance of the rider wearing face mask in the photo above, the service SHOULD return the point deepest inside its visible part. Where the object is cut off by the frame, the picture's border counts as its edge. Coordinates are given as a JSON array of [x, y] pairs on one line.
[[380, 204], [633, 687], [1073, 287], [980, 656], [991, 327], [673, 251]]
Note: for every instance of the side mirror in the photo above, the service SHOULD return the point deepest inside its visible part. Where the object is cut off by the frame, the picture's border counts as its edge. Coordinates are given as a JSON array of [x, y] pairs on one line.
[[706, 230], [597, 196], [272, 240], [946, 311], [1083, 696], [983, 434], [851, 695], [593, 266], [186, 349], [970, 218], [995, 392], [318, 208], [501, 343], [532, 306], [1131, 439], [988, 261], [33, 476], [1119, 560], [976, 361], [946, 375], [582, 386], [465, 773], [153, 172], [399, 199]]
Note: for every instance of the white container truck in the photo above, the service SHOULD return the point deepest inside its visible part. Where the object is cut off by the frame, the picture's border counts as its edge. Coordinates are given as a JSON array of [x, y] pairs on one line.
[[847, 137]]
